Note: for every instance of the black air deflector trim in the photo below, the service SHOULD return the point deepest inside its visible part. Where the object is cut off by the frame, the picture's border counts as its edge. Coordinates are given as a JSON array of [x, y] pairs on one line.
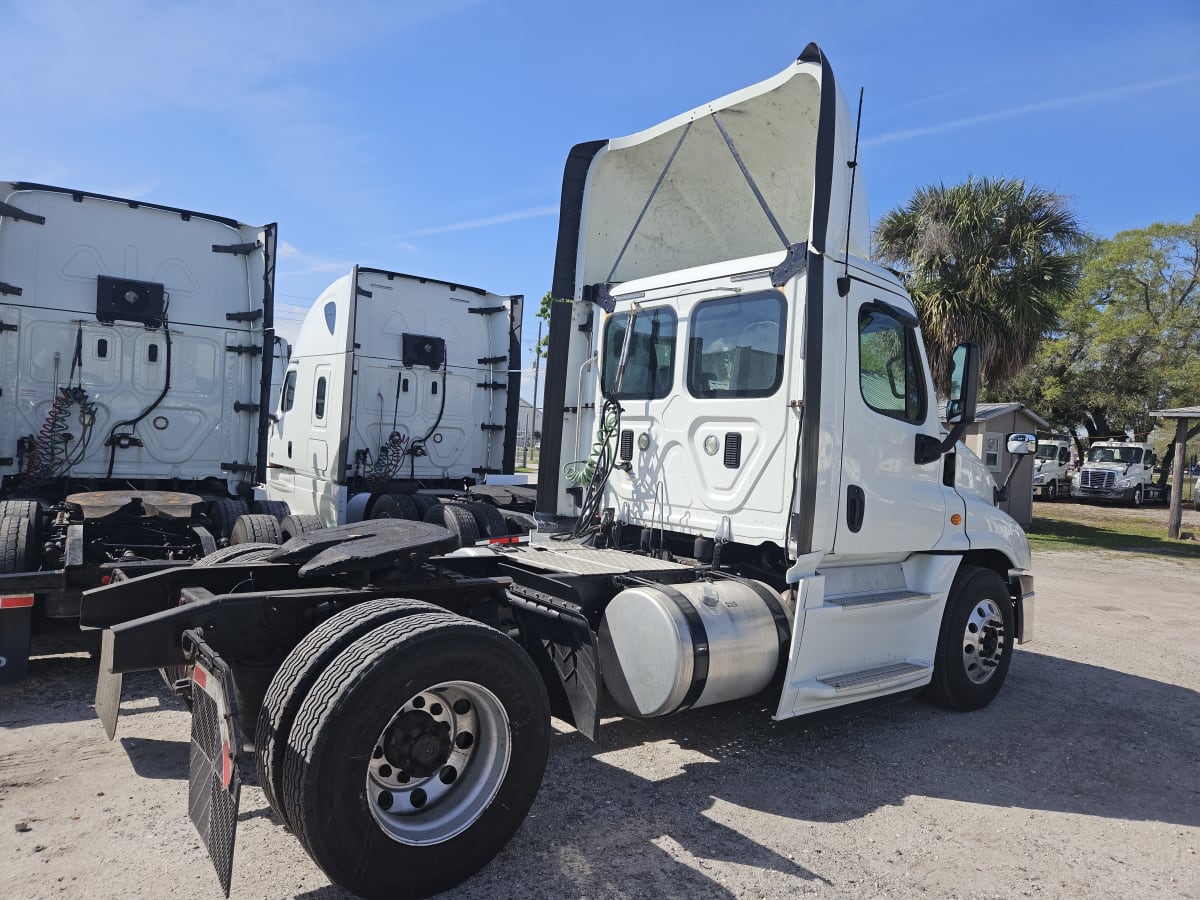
[[11, 289], [236, 249], [733, 450], [20, 215]]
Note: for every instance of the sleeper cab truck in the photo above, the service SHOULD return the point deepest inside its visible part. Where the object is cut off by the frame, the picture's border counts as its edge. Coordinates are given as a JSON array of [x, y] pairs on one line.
[[401, 391], [136, 346], [744, 487]]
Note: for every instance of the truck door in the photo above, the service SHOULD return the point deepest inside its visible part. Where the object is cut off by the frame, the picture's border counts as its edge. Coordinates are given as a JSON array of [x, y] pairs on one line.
[[705, 417], [889, 505]]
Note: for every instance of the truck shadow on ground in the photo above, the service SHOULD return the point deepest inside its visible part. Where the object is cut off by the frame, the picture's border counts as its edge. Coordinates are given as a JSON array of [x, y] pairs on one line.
[[645, 808]]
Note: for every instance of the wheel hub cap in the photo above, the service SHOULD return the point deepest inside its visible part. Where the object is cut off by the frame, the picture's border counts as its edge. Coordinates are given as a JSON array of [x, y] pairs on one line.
[[983, 641], [439, 763]]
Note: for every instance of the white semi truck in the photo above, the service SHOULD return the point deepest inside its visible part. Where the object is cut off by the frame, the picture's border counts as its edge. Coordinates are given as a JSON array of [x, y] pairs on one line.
[[397, 384], [744, 487], [1052, 468], [1120, 471], [136, 355]]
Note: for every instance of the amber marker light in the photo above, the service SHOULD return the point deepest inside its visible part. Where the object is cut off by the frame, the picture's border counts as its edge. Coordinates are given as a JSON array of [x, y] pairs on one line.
[[956, 519]]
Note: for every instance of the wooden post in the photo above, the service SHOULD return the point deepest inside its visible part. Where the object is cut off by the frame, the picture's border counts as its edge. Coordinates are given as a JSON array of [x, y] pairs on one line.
[[1175, 516]]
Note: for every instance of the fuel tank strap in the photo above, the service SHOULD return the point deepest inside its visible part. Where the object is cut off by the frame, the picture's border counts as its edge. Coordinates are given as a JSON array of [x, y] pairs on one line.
[[699, 636]]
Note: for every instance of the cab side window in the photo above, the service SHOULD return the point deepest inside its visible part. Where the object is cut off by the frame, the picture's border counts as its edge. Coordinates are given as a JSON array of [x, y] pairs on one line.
[[890, 375], [735, 346], [650, 357], [288, 397]]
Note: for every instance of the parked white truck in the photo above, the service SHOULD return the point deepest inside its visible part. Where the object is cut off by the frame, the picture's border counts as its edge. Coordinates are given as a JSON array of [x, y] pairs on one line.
[[744, 484], [396, 383], [136, 354], [1118, 470], [1052, 468]]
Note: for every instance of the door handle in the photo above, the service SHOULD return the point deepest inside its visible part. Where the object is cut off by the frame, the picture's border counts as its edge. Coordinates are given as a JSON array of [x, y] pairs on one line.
[[856, 507]]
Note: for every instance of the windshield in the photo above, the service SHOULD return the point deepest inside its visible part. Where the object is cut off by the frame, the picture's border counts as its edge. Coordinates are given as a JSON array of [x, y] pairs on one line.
[[1115, 454], [1047, 451]]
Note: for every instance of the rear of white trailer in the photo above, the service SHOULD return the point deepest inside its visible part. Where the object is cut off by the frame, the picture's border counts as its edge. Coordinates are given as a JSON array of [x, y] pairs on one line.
[[396, 383], [136, 353]]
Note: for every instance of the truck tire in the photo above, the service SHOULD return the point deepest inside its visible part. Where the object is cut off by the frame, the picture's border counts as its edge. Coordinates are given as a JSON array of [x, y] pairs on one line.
[[255, 529], [1052, 491], [237, 553], [20, 509], [295, 677], [224, 512], [457, 703], [297, 524], [458, 520], [424, 503], [16, 624], [488, 520], [395, 506], [975, 645], [276, 509], [1136, 499]]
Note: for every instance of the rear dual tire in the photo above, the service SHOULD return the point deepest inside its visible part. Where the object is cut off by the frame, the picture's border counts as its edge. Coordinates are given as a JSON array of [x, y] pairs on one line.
[[456, 702]]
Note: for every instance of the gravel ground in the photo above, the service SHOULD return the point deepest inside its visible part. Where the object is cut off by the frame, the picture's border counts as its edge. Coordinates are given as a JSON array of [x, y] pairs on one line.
[[1081, 780]]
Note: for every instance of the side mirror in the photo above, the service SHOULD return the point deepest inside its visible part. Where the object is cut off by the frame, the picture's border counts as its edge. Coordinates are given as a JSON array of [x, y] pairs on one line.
[[960, 405], [1022, 444], [964, 385], [1019, 446]]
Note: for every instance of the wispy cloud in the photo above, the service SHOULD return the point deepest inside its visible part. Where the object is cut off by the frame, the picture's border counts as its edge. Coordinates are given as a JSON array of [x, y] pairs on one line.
[[295, 262], [533, 212], [1107, 94]]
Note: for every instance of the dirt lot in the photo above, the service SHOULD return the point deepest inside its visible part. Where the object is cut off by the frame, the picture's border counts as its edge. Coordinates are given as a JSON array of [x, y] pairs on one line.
[[1081, 780]]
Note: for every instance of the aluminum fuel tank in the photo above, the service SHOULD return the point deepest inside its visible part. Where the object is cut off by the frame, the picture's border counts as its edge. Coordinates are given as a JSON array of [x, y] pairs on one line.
[[665, 648]]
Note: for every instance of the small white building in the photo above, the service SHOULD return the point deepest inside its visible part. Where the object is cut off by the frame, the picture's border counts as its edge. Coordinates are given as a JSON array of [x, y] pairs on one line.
[[529, 426]]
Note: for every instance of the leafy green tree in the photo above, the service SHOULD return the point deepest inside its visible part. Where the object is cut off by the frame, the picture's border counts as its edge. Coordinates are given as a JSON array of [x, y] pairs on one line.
[[990, 260], [544, 314], [1129, 340]]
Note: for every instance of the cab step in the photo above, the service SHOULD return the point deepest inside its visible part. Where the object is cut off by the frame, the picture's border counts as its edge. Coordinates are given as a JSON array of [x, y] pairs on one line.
[[878, 680]]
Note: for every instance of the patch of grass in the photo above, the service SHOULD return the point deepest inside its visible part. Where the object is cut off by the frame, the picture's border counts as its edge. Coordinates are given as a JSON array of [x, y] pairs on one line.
[[1051, 532]]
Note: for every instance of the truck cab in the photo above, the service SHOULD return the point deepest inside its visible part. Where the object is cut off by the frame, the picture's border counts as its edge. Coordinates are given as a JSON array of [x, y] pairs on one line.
[[1052, 469], [1117, 471], [763, 385]]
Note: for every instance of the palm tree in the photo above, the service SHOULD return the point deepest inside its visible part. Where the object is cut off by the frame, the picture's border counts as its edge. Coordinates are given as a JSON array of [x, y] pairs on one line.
[[988, 260]]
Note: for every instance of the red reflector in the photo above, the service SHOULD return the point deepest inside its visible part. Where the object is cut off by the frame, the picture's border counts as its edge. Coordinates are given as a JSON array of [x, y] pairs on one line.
[[105, 579], [511, 539], [200, 677], [18, 602], [226, 765]]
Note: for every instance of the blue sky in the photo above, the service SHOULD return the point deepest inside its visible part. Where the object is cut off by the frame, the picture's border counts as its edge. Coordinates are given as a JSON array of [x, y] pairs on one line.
[[429, 137]]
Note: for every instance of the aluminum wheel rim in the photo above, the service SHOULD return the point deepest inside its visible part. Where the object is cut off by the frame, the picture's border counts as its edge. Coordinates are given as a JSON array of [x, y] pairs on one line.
[[451, 786], [983, 641]]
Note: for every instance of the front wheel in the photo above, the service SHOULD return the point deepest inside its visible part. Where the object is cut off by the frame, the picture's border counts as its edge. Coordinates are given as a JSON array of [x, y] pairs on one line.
[[1052, 491], [1136, 499], [416, 755], [975, 645]]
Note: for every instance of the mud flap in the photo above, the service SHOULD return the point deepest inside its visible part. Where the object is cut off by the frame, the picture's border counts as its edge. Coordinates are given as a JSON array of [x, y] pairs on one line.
[[214, 780], [108, 686]]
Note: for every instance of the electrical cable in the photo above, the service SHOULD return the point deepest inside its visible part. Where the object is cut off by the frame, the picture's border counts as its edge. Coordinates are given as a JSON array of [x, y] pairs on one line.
[[417, 446], [113, 437]]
